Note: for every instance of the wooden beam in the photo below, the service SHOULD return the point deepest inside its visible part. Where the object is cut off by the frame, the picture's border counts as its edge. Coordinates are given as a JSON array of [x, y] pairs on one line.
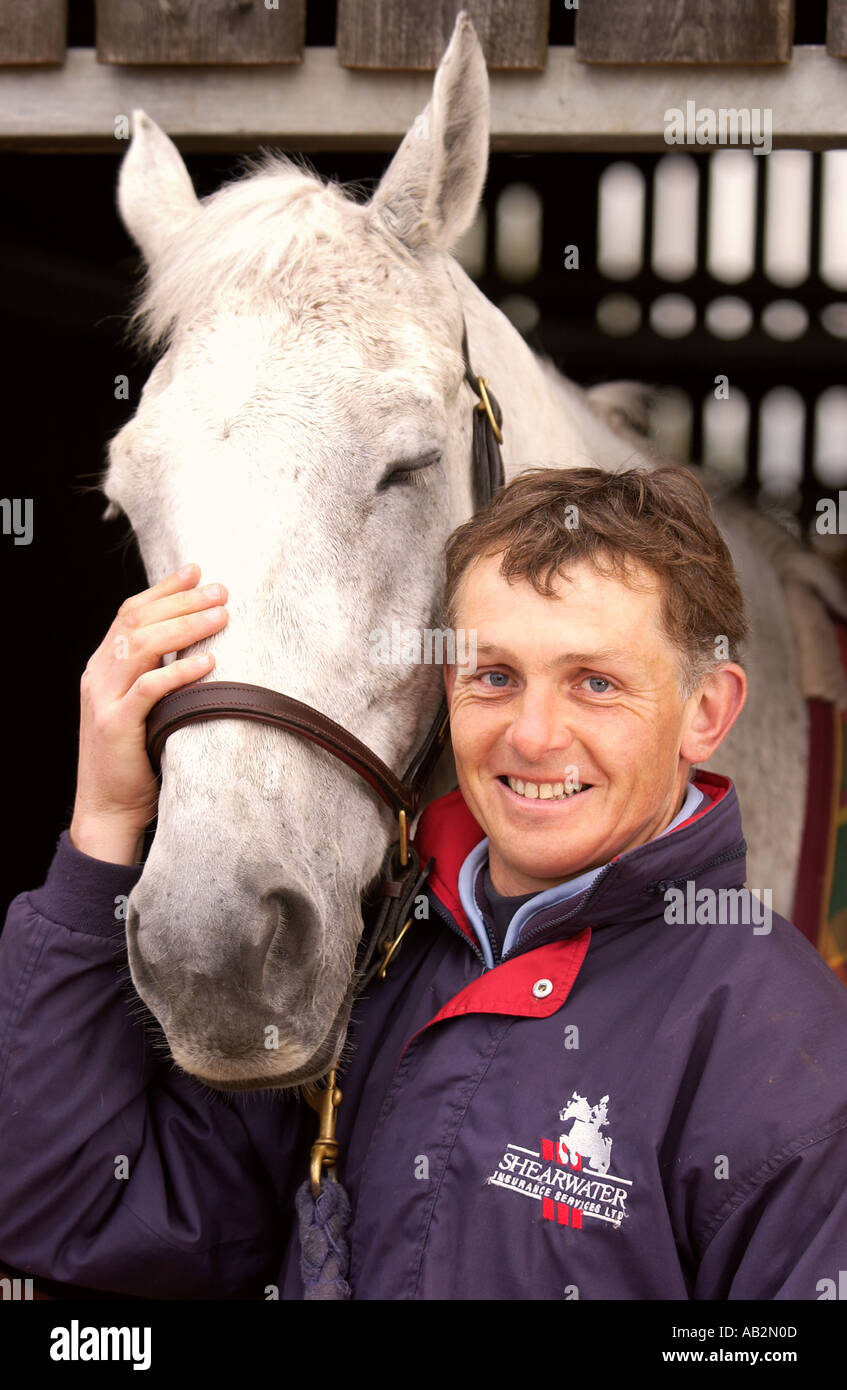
[[200, 31], [318, 105], [413, 34], [685, 31], [35, 32], [836, 28]]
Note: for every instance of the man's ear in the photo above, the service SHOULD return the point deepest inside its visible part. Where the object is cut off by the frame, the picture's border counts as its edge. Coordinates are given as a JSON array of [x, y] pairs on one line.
[[714, 707]]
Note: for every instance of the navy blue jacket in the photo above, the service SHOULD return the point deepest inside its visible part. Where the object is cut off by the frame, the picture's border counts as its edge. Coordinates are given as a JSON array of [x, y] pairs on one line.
[[623, 1108]]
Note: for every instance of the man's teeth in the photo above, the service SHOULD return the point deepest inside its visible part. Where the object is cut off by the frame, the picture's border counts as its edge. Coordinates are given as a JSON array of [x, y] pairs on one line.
[[555, 791]]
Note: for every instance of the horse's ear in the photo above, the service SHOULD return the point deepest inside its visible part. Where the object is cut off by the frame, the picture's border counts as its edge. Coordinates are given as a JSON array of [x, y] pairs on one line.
[[430, 192], [155, 193]]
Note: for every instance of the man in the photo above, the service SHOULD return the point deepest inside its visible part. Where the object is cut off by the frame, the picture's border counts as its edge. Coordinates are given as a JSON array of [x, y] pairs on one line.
[[599, 1067]]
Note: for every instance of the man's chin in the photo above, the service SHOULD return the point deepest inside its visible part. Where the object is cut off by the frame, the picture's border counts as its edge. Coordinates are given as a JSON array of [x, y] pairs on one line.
[[536, 872], [539, 853]]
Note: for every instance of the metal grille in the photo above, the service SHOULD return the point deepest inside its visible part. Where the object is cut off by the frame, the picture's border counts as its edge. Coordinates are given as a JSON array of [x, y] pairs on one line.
[[775, 327]]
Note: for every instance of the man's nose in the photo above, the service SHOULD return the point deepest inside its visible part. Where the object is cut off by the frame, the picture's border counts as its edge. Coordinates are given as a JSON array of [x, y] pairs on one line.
[[540, 724]]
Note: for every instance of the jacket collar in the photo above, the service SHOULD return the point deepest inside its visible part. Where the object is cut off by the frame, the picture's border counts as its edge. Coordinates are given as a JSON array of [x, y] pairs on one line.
[[709, 846]]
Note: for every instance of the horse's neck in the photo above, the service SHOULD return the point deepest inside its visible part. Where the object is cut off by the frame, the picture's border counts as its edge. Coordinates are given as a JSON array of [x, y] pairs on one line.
[[547, 419]]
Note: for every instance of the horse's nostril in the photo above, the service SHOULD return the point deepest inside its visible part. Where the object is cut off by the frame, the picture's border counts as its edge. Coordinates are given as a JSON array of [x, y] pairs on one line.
[[254, 943], [295, 928]]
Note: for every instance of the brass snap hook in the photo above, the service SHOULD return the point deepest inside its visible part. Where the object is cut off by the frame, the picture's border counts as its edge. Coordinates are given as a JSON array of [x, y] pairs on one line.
[[390, 947], [324, 1152]]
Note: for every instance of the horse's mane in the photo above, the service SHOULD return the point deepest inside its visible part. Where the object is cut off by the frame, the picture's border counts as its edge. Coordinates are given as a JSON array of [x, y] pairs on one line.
[[240, 241]]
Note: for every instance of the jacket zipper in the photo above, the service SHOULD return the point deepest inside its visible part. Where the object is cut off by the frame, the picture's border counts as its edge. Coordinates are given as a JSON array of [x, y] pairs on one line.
[[492, 941], [454, 926], [734, 852], [457, 930], [725, 857], [557, 921]]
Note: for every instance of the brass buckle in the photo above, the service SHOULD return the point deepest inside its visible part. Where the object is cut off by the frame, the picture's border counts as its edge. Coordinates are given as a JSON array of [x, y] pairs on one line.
[[485, 404], [389, 949], [324, 1152], [402, 818]]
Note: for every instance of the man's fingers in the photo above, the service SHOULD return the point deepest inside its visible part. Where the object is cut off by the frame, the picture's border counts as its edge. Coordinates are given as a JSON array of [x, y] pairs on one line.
[[169, 606], [151, 624], [184, 578], [147, 644], [152, 685]]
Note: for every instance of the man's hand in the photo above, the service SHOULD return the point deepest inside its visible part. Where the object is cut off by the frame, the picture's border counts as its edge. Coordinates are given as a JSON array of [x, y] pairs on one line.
[[117, 790]]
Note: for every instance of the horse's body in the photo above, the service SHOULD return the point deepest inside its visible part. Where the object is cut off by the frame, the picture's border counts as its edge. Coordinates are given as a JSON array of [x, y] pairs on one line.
[[314, 346]]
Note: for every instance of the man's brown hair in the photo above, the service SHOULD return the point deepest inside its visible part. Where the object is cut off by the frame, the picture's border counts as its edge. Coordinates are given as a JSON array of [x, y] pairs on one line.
[[547, 519]]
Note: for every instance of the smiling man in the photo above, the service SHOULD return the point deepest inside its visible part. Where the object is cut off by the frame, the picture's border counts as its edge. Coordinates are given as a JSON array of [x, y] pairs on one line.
[[595, 683], [568, 757]]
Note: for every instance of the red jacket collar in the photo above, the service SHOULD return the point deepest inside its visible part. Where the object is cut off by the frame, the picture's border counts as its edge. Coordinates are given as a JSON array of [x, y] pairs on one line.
[[448, 832]]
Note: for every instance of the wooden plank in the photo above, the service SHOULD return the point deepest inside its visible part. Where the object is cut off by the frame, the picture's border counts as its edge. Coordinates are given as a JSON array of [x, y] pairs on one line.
[[200, 31], [317, 105], [35, 32], [411, 35], [836, 28], [685, 31]]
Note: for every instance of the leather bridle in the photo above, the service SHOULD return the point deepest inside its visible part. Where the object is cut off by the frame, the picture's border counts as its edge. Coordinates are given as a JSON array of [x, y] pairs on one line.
[[239, 700]]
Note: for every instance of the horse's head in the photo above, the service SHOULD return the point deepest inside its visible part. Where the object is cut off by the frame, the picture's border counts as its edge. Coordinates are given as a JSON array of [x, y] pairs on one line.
[[577, 1106], [306, 438]]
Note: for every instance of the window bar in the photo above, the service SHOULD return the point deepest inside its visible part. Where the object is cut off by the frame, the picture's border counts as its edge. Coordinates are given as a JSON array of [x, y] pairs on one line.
[[646, 272], [700, 277], [809, 485], [752, 479]]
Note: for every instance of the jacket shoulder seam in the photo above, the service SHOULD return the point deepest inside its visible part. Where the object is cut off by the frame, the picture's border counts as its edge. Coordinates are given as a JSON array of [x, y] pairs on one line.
[[769, 1168]]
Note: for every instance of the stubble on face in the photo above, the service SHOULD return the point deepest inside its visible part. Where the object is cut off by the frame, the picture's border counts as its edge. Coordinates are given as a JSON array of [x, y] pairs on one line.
[[587, 680]]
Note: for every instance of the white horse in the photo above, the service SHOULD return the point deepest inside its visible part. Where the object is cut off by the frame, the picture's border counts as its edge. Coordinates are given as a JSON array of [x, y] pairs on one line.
[[306, 438]]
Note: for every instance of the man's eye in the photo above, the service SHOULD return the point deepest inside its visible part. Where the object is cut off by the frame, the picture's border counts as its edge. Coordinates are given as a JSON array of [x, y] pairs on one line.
[[599, 680], [499, 677]]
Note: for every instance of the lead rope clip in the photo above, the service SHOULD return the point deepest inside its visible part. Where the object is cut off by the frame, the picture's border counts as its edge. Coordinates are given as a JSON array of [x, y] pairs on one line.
[[324, 1152]]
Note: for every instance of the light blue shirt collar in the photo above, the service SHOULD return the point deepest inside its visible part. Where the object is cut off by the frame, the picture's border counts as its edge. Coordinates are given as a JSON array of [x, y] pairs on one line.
[[478, 857]]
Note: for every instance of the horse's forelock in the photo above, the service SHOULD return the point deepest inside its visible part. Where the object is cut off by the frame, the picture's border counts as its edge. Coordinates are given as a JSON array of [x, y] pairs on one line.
[[273, 227]]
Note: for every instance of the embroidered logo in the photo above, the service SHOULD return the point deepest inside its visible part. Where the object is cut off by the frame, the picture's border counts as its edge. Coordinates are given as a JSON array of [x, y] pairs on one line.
[[569, 1175]]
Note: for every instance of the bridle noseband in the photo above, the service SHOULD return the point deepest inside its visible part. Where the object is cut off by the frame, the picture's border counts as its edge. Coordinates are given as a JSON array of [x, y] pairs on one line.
[[239, 700]]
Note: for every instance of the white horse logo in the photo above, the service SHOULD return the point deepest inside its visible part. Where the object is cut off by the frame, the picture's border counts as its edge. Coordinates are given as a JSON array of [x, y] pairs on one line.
[[585, 1138]]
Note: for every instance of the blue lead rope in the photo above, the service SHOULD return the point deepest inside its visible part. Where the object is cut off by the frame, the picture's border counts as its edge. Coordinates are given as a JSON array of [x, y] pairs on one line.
[[324, 1221], [324, 1246]]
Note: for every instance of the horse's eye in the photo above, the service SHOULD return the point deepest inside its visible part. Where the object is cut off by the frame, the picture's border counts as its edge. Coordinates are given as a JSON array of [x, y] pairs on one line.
[[406, 470]]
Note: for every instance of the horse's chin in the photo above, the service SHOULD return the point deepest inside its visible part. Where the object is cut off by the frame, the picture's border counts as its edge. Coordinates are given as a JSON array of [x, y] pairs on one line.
[[273, 1069]]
